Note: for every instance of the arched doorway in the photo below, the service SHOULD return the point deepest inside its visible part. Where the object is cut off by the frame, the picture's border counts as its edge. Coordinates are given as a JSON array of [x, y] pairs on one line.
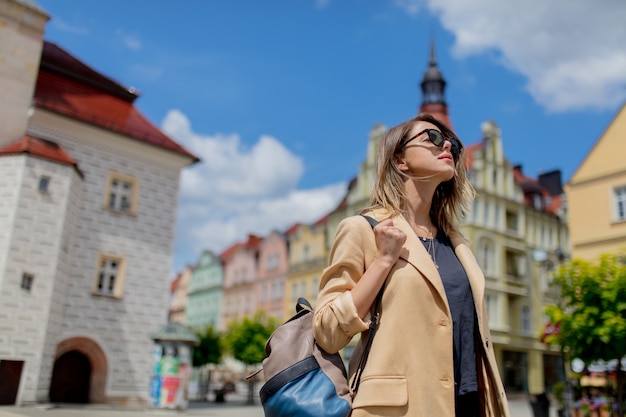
[[79, 358], [71, 377]]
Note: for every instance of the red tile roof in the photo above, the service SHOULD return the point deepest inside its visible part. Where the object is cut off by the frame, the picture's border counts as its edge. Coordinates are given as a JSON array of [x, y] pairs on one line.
[[528, 184], [67, 86], [292, 229], [41, 148]]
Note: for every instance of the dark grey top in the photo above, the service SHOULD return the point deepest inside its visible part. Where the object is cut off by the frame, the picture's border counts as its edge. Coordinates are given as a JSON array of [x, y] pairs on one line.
[[459, 294]]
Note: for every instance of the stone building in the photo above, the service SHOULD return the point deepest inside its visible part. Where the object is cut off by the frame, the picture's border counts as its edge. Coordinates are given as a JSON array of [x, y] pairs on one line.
[[89, 193]]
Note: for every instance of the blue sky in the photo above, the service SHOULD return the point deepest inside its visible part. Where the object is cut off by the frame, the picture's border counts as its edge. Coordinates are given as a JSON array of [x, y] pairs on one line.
[[277, 97]]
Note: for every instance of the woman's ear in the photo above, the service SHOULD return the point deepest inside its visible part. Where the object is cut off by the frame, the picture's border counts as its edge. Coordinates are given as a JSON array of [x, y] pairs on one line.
[[401, 163]]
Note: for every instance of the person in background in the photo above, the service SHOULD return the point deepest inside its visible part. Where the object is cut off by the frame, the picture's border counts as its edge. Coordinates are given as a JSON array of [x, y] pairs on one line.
[[432, 355]]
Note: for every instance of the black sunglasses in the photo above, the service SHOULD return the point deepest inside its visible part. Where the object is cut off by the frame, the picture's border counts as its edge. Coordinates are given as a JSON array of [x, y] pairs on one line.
[[437, 139]]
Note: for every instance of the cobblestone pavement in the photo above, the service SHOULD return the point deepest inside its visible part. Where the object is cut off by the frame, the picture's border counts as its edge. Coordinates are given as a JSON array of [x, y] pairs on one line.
[[519, 407]]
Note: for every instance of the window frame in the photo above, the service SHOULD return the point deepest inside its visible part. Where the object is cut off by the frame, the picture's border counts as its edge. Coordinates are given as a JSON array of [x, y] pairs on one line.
[[120, 277], [619, 199], [30, 277], [43, 185], [134, 193]]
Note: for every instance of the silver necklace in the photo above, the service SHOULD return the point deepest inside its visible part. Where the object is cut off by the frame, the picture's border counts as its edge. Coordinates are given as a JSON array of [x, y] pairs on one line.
[[431, 249]]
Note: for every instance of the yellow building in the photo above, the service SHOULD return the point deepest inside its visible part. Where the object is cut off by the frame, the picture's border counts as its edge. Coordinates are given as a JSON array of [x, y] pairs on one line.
[[308, 255], [517, 229], [596, 195]]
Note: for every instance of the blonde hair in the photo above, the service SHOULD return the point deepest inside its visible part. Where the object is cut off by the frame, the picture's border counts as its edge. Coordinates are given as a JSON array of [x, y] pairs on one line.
[[451, 199]]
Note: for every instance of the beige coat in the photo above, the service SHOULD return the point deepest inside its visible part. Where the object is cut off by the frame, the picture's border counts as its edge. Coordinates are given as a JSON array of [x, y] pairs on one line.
[[410, 370]]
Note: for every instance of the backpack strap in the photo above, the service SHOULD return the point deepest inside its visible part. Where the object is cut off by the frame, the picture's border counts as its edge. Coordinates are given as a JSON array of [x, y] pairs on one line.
[[356, 381]]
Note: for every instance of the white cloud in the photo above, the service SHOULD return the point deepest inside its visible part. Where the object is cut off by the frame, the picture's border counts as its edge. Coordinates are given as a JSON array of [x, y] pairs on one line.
[[412, 7], [63, 26], [130, 41], [236, 190], [322, 4], [571, 52]]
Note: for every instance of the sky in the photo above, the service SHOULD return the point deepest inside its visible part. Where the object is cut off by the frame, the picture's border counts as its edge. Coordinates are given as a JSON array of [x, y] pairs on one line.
[[277, 97]]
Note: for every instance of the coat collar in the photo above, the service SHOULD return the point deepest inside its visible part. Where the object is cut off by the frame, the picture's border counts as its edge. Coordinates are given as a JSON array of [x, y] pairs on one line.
[[416, 255]]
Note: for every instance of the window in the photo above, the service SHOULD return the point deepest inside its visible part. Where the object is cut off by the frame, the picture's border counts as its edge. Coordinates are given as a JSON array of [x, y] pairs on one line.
[[620, 204], [486, 256], [110, 276], [315, 286], [27, 281], [272, 261], [492, 305], [525, 319], [121, 193], [44, 182], [486, 214], [537, 200], [294, 291], [263, 296], [511, 221]]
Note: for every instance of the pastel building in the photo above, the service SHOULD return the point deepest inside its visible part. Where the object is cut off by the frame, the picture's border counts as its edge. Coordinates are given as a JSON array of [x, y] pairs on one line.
[[308, 256], [178, 291], [89, 191], [273, 266], [204, 293], [240, 280]]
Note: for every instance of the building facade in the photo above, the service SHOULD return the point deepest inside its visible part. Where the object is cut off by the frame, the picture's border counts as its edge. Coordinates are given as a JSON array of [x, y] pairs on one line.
[[91, 192], [241, 262], [308, 256], [518, 230], [272, 274], [205, 293], [178, 293], [597, 195]]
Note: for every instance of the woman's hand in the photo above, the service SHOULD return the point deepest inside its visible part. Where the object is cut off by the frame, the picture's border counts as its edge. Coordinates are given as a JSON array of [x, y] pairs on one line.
[[389, 242]]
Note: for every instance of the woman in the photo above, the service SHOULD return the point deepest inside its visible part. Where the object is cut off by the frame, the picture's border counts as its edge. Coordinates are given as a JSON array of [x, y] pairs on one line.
[[432, 355]]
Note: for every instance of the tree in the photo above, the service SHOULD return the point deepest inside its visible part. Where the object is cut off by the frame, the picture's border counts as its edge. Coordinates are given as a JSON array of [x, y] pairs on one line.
[[209, 350], [590, 321], [245, 340]]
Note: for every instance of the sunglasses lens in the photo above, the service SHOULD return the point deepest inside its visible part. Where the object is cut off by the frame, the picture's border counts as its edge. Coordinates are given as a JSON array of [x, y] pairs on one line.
[[435, 137], [455, 149]]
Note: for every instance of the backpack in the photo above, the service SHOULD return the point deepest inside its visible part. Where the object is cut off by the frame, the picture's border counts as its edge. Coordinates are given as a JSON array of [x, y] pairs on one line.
[[302, 380]]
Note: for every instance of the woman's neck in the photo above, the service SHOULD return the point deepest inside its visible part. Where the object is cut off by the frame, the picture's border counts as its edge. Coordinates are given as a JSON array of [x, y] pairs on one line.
[[419, 199]]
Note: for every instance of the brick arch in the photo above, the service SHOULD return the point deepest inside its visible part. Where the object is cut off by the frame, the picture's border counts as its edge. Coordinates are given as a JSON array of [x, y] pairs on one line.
[[98, 360]]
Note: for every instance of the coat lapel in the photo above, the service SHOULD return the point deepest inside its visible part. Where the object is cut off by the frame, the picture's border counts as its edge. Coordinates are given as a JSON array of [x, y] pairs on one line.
[[416, 255]]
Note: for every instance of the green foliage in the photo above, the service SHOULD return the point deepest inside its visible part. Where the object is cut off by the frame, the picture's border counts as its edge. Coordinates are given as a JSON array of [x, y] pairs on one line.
[[245, 339], [591, 318], [209, 350]]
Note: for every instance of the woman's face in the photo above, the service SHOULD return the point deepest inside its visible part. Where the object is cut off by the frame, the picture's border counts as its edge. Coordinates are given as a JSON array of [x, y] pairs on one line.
[[424, 159]]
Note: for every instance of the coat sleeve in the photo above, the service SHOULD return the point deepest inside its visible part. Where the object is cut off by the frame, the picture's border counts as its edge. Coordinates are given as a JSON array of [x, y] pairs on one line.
[[336, 319]]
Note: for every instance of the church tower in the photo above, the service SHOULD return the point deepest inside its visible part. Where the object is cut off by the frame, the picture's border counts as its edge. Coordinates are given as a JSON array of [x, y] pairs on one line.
[[433, 87]]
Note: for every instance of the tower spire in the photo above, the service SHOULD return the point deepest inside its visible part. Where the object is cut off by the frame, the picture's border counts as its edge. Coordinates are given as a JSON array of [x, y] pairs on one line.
[[433, 87]]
